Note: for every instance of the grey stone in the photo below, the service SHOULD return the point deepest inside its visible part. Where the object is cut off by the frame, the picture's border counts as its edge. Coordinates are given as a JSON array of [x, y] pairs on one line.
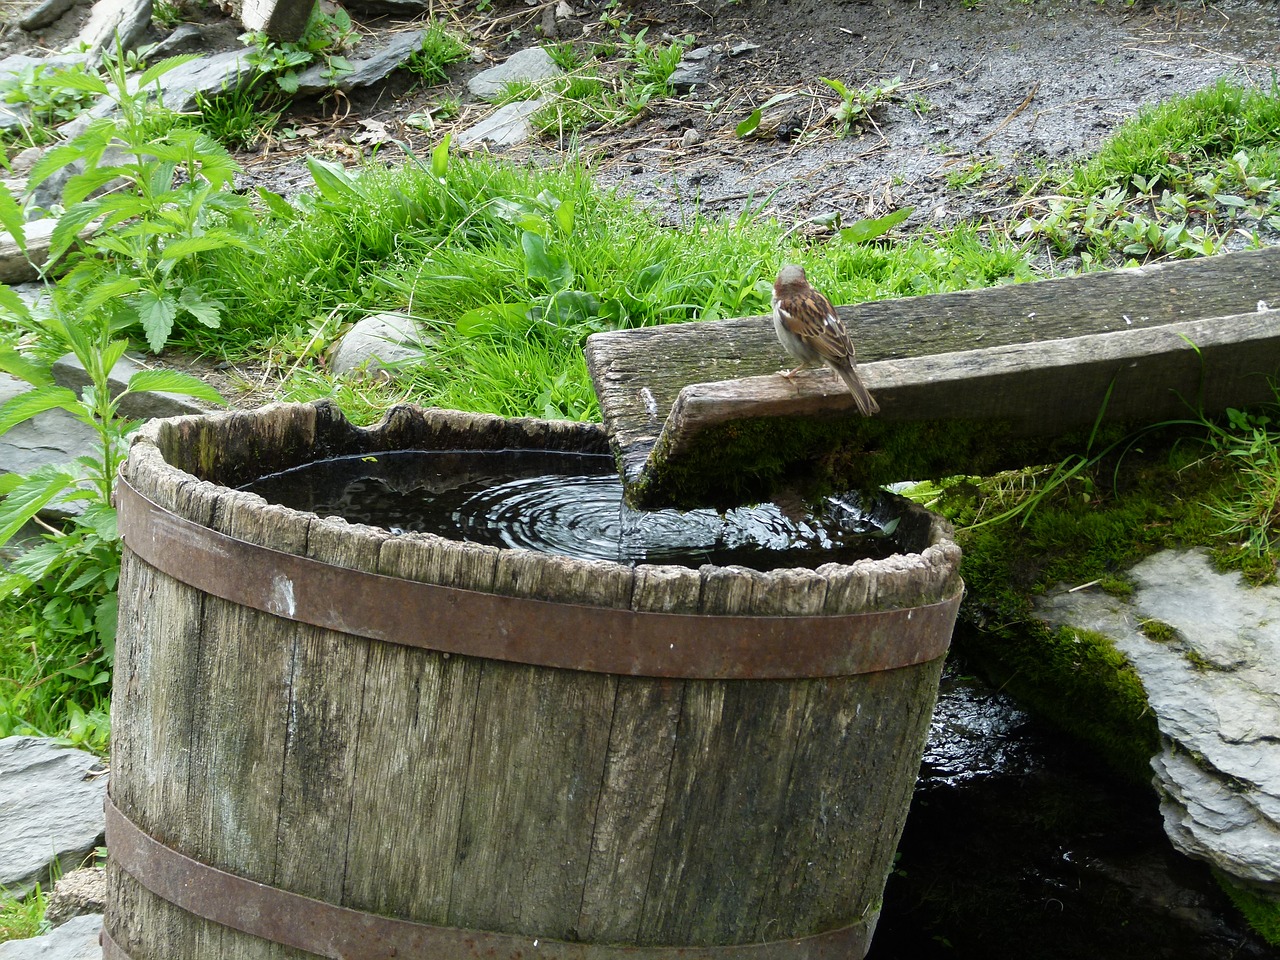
[[505, 127], [531, 64], [368, 66], [1215, 693], [53, 809], [693, 69], [377, 343], [185, 38], [77, 939], [69, 372], [208, 76], [127, 20], [50, 437], [44, 13], [19, 267], [76, 894]]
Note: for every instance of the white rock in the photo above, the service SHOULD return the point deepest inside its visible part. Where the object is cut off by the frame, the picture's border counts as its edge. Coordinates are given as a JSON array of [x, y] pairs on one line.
[[76, 939], [531, 64], [377, 343], [1215, 693], [505, 127], [127, 20], [52, 809]]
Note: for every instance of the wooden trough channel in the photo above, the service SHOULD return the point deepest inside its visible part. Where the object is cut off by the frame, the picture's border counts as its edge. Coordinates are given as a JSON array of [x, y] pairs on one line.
[[968, 383]]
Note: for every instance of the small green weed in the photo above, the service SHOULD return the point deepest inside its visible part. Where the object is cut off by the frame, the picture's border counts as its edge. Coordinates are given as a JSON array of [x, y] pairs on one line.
[[439, 49], [22, 919], [1158, 630], [854, 113], [326, 38], [51, 95]]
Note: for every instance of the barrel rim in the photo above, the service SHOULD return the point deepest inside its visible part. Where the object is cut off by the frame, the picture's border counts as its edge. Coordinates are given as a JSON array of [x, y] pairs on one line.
[[574, 636]]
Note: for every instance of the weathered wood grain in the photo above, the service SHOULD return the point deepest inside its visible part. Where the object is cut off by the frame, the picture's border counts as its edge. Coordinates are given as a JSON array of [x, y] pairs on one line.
[[1033, 393], [498, 796], [638, 373]]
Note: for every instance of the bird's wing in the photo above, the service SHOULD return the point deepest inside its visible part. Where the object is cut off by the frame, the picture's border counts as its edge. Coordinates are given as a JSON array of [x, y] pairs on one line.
[[829, 338]]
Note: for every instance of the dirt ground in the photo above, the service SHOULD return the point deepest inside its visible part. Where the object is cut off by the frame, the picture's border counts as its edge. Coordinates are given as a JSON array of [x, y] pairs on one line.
[[988, 90]]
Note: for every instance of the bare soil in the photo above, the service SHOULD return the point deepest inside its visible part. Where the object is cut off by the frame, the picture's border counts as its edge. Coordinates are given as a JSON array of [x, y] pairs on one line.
[[989, 90]]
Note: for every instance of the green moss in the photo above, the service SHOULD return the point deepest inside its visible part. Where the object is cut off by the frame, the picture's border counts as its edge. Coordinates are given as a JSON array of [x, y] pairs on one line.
[[1158, 630], [1088, 530], [1261, 912], [745, 461]]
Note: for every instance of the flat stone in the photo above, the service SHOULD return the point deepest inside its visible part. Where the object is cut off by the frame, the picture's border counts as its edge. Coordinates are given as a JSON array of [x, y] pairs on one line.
[[368, 66], [44, 13], [1215, 693], [530, 65], [53, 809], [17, 267], [127, 20], [51, 437], [185, 38], [377, 343], [694, 69], [77, 939], [505, 127], [69, 372]]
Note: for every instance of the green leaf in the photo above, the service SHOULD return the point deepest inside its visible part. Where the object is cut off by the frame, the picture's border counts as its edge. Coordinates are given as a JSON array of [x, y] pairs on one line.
[[189, 246], [838, 87], [114, 288], [289, 83], [11, 218], [565, 217], [278, 206], [24, 406], [24, 368], [70, 225], [869, 229], [333, 182], [493, 318], [551, 270], [30, 496], [173, 381], [749, 125], [157, 314], [13, 304], [440, 158], [74, 80], [157, 70], [207, 310]]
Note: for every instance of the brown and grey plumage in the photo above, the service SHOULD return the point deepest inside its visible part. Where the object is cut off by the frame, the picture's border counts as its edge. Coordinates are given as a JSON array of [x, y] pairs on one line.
[[809, 329]]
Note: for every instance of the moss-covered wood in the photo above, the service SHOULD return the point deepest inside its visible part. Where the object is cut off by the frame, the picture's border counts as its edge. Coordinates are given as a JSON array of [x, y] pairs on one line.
[[972, 371], [500, 796]]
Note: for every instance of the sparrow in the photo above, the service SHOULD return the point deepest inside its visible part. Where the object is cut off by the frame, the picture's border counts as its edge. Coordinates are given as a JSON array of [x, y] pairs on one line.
[[809, 329]]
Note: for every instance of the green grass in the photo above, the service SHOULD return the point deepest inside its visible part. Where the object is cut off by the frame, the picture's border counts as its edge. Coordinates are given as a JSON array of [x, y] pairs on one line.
[[21, 919]]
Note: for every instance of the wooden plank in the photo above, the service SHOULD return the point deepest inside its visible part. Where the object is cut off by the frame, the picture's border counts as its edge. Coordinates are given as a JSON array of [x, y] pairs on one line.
[[639, 373], [966, 412]]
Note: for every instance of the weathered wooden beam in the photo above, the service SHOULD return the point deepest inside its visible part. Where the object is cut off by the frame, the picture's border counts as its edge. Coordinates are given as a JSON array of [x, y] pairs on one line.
[[786, 431]]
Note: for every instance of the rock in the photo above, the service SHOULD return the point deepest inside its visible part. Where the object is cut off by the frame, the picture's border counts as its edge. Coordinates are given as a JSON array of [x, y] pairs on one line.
[[52, 437], [369, 66], [185, 38], [53, 809], [75, 940], [281, 20], [44, 13], [111, 22], [505, 127], [377, 343], [530, 65], [694, 69], [69, 372], [1214, 688], [76, 894], [211, 75]]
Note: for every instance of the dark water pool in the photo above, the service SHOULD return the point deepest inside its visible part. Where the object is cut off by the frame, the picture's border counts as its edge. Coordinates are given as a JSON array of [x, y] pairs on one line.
[[570, 504], [1020, 845]]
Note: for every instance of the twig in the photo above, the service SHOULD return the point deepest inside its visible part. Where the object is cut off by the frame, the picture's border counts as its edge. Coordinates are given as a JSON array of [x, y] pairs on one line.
[[1016, 110]]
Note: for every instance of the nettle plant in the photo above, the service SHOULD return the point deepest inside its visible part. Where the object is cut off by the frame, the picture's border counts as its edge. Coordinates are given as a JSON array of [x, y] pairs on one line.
[[141, 208]]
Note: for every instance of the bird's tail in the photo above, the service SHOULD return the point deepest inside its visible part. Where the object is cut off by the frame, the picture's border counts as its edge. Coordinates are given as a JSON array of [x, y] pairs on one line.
[[861, 396]]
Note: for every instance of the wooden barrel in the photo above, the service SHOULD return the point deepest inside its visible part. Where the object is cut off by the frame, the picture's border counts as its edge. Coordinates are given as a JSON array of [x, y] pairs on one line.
[[332, 741]]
